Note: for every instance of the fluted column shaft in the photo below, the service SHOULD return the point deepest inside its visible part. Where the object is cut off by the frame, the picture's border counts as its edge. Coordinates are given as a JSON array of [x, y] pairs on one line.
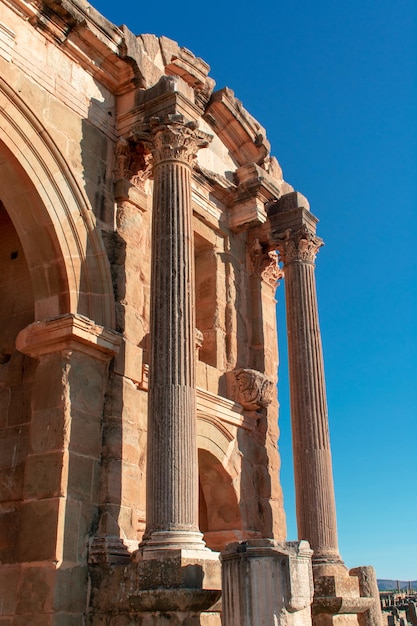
[[315, 502], [172, 465]]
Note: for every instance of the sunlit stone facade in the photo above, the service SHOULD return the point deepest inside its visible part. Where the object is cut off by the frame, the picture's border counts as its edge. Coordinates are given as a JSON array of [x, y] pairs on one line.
[[144, 228]]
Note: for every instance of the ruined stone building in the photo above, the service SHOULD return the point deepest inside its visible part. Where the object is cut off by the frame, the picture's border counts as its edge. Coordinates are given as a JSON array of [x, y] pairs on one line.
[[144, 225]]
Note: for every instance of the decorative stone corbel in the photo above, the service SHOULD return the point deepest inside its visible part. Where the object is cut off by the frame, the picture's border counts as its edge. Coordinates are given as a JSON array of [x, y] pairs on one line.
[[265, 264], [253, 390], [132, 171]]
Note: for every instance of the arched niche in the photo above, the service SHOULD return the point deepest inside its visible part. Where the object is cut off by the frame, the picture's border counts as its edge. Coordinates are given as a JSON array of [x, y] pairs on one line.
[[219, 511], [63, 248]]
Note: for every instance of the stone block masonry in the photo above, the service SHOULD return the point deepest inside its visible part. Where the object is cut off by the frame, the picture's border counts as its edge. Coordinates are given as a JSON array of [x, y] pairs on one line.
[[144, 228]]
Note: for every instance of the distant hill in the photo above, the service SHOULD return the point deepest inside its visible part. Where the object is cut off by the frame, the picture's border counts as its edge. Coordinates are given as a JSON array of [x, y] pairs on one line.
[[389, 585]]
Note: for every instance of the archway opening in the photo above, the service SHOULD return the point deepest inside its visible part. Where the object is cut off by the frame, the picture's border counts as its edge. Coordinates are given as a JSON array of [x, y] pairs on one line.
[[16, 381], [219, 512]]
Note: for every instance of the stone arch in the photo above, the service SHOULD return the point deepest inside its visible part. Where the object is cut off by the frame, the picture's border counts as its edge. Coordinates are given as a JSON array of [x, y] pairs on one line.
[[219, 511], [50, 212]]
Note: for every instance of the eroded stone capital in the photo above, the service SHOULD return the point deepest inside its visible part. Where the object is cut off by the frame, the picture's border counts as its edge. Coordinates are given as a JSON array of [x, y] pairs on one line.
[[132, 162], [298, 245], [264, 263], [171, 137], [254, 390]]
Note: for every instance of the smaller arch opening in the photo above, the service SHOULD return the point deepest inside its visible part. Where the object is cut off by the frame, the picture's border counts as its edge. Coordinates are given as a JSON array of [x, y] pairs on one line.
[[219, 512]]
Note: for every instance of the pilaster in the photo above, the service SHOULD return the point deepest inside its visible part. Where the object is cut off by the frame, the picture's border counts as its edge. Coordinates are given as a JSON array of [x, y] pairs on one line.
[[61, 482]]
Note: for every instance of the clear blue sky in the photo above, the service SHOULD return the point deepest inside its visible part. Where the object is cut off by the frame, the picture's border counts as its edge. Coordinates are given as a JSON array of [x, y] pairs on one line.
[[335, 85]]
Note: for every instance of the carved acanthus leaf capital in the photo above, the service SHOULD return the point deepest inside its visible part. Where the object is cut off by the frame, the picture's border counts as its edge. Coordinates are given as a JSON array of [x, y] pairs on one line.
[[265, 263], [254, 390], [298, 245], [170, 137], [133, 162]]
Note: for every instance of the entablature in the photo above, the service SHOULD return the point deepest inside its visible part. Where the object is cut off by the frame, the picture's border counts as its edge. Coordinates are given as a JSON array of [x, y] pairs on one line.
[[239, 131], [85, 35]]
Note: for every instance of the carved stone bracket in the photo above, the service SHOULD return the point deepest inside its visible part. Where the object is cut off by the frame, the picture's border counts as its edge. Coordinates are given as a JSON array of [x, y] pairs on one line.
[[298, 245], [254, 390], [264, 263], [133, 162]]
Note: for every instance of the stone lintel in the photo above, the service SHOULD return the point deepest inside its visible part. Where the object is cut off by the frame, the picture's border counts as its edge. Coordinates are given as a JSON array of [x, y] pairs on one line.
[[237, 129], [167, 86], [177, 61], [228, 411], [247, 213], [68, 332]]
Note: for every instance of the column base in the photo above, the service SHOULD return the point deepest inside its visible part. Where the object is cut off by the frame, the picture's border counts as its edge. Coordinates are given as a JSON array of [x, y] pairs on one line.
[[168, 540]]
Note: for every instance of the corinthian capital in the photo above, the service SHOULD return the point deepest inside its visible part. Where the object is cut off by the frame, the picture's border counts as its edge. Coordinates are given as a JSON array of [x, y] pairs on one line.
[[170, 137], [298, 245]]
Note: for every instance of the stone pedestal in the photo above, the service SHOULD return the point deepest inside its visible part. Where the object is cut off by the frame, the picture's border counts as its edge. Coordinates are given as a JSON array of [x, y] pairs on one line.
[[177, 580], [158, 588], [267, 582]]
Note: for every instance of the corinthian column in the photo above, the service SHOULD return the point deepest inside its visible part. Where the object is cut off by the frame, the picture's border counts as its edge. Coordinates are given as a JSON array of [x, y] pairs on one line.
[[296, 240], [172, 466]]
